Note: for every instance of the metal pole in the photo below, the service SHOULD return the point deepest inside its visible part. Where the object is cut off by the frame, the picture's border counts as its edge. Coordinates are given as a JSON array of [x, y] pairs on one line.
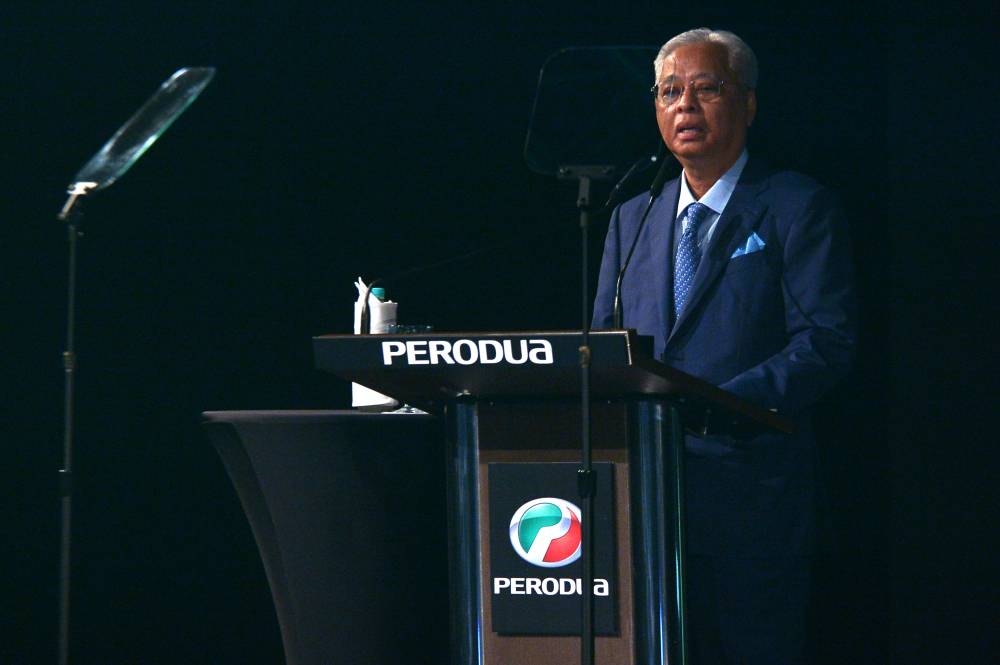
[[677, 489], [66, 473], [585, 474]]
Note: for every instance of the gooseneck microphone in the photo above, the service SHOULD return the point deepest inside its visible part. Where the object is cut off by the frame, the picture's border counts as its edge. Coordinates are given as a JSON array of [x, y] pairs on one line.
[[654, 191], [641, 165]]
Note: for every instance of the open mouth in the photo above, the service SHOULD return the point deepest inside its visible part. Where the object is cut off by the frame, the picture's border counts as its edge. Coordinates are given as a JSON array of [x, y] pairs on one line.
[[686, 132]]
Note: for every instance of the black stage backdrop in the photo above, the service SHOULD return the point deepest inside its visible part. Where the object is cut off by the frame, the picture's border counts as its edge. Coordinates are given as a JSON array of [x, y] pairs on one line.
[[341, 139]]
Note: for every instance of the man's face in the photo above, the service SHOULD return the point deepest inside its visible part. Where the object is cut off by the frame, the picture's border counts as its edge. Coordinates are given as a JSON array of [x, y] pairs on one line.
[[704, 134]]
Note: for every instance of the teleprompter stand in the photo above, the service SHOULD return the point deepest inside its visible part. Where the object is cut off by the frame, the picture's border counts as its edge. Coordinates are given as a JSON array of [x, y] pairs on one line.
[[109, 164], [502, 407]]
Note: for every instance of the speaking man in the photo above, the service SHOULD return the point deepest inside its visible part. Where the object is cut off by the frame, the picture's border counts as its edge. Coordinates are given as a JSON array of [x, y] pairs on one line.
[[742, 276]]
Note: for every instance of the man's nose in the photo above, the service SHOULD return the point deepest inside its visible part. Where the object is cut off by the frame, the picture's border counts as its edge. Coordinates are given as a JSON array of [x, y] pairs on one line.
[[688, 99]]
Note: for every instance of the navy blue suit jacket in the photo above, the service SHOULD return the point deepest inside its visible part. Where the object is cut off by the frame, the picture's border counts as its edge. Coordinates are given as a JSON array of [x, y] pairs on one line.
[[774, 326]]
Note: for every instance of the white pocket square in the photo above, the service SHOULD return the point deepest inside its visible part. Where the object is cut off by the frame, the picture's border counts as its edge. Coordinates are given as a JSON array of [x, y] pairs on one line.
[[753, 244]]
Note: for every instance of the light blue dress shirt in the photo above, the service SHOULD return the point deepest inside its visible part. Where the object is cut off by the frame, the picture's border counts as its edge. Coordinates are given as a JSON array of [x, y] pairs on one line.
[[715, 198]]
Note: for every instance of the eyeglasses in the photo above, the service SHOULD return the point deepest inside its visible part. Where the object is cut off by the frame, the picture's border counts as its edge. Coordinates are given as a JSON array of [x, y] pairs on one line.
[[704, 89]]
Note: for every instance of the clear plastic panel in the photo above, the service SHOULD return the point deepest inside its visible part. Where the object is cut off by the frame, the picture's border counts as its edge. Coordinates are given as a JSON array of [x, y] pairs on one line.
[[142, 129], [593, 107]]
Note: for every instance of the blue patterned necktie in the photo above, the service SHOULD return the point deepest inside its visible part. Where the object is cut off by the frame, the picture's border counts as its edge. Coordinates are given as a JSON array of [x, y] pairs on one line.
[[688, 255]]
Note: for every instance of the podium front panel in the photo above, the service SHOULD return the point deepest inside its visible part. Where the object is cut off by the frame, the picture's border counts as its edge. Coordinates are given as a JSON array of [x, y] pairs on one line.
[[535, 548], [548, 431]]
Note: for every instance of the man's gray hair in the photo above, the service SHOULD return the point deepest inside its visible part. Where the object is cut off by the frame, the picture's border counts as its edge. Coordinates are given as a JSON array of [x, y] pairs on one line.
[[741, 58]]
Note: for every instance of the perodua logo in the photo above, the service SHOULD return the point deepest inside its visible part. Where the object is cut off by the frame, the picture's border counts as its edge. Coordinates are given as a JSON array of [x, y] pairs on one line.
[[546, 532], [467, 352]]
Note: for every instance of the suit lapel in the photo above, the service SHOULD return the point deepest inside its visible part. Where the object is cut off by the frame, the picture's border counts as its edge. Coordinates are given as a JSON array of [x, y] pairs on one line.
[[662, 242], [740, 217]]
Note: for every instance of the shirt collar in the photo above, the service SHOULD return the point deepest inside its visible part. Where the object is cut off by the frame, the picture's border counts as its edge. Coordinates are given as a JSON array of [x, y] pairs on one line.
[[718, 194]]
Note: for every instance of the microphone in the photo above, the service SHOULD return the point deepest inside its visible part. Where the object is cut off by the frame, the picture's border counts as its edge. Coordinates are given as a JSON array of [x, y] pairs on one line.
[[660, 180], [654, 191], [641, 165]]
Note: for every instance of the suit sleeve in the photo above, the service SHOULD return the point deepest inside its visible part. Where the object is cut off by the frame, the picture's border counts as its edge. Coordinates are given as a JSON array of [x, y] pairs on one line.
[[817, 285], [606, 281]]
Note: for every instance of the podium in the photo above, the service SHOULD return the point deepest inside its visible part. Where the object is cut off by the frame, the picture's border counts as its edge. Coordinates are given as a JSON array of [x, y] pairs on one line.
[[510, 401]]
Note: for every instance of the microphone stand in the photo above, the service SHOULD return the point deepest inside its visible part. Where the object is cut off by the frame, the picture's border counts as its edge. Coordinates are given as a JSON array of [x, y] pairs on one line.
[[654, 192], [69, 214], [585, 474]]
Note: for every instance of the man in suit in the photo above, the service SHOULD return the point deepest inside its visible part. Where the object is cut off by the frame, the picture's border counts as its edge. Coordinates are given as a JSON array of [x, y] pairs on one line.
[[743, 278]]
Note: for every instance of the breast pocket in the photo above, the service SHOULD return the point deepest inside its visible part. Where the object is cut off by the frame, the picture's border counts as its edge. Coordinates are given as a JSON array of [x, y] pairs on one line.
[[753, 282], [753, 261]]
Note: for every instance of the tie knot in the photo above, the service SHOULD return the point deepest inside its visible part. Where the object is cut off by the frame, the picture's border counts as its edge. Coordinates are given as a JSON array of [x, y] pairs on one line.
[[697, 212]]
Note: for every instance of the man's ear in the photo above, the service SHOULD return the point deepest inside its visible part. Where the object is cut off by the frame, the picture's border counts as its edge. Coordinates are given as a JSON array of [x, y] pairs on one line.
[[751, 106]]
